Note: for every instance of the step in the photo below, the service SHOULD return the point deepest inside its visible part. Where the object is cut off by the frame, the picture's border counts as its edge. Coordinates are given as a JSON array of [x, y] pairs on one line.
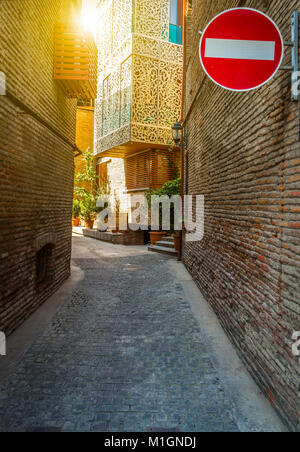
[[164, 244], [168, 239], [162, 250], [78, 230], [116, 238]]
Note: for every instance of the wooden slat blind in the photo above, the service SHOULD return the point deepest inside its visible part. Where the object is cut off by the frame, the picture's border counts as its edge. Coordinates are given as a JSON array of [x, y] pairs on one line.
[[75, 61], [161, 167], [137, 171], [151, 169], [102, 174]]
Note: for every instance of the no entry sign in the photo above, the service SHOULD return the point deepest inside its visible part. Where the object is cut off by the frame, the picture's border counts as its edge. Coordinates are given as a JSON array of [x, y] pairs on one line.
[[241, 49]]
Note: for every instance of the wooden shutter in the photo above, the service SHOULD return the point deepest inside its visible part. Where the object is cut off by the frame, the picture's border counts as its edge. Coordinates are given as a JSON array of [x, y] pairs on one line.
[[160, 167], [137, 171], [102, 173], [151, 169]]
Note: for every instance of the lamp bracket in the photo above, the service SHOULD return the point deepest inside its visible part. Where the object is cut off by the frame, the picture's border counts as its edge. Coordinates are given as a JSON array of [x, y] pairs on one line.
[[185, 141]]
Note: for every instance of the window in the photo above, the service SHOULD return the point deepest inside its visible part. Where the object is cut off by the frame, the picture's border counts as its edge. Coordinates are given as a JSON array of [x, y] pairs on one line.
[[176, 21], [137, 171], [151, 169]]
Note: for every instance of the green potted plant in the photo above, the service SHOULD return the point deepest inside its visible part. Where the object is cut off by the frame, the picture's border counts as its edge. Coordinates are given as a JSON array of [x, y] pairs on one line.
[[76, 212], [89, 210], [155, 236], [88, 188], [170, 188]]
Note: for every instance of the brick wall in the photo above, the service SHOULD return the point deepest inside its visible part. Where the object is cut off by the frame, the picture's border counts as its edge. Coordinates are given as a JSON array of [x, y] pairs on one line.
[[244, 156], [37, 132], [117, 184]]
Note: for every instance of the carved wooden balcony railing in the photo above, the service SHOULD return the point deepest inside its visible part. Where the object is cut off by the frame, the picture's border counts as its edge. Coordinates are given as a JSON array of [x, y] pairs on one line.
[[75, 62]]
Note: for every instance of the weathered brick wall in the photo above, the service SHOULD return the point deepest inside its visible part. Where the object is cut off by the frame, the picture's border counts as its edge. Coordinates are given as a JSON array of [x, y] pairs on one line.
[[36, 157], [244, 156], [26, 56]]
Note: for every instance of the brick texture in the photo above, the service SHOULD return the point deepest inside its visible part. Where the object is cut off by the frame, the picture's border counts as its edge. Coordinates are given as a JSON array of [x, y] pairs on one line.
[[244, 156], [37, 130]]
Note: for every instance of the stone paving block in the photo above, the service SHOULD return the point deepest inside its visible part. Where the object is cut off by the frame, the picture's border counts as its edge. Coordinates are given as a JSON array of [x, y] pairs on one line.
[[99, 427], [123, 353], [102, 417]]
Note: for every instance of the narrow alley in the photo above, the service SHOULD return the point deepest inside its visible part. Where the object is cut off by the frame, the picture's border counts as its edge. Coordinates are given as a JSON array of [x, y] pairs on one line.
[[149, 217], [125, 351]]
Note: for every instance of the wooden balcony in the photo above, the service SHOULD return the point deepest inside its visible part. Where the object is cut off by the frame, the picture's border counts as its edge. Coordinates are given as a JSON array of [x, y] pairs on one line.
[[75, 62]]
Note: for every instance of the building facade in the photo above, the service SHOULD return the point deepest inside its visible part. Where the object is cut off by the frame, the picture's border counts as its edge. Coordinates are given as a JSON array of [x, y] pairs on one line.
[[244, 156], [139, 92], [37, 145], [85, 125]]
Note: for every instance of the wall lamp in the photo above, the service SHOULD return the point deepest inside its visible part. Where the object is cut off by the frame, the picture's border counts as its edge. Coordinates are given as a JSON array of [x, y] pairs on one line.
[[179, 137], [177, 133]]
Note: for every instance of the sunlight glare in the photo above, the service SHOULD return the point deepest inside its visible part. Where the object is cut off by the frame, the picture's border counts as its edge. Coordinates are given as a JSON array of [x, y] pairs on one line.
[[89, 15]]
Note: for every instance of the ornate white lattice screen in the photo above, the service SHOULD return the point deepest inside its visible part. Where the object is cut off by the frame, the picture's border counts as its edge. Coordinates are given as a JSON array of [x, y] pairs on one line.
[[139, 76]]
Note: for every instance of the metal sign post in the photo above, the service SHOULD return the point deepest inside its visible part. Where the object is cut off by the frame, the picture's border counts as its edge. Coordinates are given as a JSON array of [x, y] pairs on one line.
[[294, 67], [295, 56]]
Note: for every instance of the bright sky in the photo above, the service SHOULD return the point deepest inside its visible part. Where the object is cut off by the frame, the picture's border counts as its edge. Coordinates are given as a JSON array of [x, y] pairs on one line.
[[89, 15]]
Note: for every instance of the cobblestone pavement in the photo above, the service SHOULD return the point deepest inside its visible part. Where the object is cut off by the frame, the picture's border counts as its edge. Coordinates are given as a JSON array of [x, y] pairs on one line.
[[123, 353]]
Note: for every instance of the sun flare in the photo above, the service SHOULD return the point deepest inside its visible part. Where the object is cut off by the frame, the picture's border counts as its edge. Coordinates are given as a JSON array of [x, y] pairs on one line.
[[89, 15]]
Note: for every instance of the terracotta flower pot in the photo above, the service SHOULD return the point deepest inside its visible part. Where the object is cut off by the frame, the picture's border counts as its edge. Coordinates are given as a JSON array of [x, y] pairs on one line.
[[156, 236], [89, 224], [75, 222], [176, 238]]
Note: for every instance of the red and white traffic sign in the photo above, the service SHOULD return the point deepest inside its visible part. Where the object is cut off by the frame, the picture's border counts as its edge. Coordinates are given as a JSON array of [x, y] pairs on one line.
[[241, 49]]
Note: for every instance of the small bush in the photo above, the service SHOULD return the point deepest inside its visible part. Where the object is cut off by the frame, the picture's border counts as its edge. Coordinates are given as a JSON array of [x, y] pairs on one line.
[[171, 188], [76, 210], [88, 207]]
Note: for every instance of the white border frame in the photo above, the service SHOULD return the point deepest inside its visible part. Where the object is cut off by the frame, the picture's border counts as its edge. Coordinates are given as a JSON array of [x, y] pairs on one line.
[[255, 87]]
